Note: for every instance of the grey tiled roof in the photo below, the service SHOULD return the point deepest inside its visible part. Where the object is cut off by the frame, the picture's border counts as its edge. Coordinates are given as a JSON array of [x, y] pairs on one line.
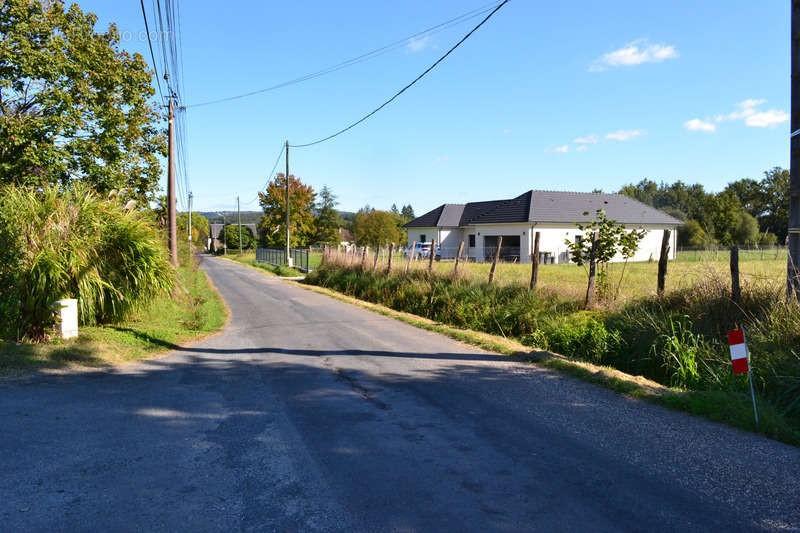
[[451, 215], [543, 207], [428, 220]]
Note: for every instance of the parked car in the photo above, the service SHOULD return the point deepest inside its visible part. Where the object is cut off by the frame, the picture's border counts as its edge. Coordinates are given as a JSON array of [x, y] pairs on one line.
[[422, 250]]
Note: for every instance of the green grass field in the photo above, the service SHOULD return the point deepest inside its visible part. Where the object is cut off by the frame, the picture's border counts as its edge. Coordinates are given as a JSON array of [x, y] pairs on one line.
[[193, 310], [640, 278]]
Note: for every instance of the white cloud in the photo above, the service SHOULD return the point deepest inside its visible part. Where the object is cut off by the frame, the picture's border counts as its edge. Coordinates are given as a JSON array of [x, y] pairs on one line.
[[624, 135], [766, 119], [581, 148], [589, 139], [442, 159], [747, 111], [418, 44], [634, 53], [558, 149], [699, 125]]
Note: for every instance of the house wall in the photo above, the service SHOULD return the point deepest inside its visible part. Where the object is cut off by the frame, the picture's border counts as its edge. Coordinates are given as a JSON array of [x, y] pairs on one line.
[[551, 240], [414, 234], [447, 239]]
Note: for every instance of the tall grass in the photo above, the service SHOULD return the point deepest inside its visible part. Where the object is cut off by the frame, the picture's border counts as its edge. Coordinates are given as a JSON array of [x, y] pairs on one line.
[[70, 243], [678, 339]]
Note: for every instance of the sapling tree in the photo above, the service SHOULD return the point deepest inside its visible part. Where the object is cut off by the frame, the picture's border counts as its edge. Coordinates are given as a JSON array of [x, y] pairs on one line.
[[604, 239]]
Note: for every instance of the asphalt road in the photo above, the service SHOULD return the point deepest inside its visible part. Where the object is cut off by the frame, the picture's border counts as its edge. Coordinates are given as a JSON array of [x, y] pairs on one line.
[[307, 414]]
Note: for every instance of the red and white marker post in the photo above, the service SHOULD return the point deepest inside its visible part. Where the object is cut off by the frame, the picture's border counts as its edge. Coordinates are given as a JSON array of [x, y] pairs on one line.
[[740, 357]]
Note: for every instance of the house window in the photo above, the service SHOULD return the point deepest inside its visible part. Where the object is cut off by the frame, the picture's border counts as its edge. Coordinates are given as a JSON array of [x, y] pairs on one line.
[[422, 238], [472, 241], [578, 239]]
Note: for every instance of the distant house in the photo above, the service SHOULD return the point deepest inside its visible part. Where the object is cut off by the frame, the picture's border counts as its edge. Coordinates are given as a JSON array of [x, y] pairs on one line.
[[345, 237], [552, 213], [216, 233]]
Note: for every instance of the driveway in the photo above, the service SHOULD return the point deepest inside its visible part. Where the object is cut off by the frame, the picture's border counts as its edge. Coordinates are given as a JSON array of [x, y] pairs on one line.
[[308, 414]]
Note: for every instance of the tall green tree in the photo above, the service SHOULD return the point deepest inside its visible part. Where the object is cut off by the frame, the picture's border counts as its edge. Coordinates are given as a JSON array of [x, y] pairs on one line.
[[200, 228], [73, 105], [326, 225], [301, 212], [775, 217], [408, 212], [376, 228], [232, 237]]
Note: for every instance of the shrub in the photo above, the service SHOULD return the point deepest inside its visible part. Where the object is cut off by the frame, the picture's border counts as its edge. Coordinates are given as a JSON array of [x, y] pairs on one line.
[[72, 244]]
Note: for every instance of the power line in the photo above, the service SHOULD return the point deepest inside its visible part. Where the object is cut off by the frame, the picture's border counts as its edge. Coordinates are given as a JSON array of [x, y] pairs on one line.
[[152, 55], [275, 166], [401, 91], [358, 59]]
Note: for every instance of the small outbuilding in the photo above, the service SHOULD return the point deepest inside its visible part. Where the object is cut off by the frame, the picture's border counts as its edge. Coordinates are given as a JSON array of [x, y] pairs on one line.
[[552, 213]]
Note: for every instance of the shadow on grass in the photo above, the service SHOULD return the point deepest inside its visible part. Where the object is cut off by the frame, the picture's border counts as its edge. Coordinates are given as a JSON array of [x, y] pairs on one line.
[[26, 356]]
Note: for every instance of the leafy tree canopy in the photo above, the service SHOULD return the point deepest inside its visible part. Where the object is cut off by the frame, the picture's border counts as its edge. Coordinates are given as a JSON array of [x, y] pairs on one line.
[[301, 215], [73, 105], [376, 228], [327, 222], [232, 237]]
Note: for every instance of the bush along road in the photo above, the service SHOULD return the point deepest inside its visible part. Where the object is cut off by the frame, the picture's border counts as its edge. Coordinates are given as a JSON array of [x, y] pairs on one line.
[[310, 414]]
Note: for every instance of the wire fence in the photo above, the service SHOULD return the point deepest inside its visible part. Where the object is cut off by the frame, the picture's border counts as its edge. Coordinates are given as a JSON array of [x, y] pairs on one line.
[[300, 257], [746, 253], [640, 278]]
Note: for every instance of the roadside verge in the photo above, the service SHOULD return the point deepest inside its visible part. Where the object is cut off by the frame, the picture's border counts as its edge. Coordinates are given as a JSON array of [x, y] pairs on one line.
[[194, 311]]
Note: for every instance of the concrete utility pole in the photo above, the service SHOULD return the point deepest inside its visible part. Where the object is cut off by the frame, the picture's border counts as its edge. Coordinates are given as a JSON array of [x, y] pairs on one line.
[[239, 220], [288, 259], [793, 269], [189, 223], [171, 216]]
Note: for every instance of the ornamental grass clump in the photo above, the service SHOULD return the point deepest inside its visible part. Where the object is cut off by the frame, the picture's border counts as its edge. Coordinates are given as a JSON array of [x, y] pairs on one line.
[[70, 243]]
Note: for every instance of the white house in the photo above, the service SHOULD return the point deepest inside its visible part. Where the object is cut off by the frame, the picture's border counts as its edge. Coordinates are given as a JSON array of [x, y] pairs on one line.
[[552, 213]]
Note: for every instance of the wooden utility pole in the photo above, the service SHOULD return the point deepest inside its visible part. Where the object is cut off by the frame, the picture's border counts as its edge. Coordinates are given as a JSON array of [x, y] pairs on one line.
[[172, 220], [793, 269], [535, 262], [239, 222], [189, 222], [496, 259], [662, 262], [288, 259]]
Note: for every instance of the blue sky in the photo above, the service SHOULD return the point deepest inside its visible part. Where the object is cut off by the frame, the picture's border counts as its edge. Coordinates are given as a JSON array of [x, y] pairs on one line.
[[547, 95]]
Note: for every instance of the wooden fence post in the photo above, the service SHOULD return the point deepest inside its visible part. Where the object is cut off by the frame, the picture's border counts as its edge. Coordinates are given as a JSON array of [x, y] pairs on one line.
[[736, 289], [389, 262], [496, 258], [410, 256], [324, 253], [377, 255], [662, 262], [535, 262], [431, 256], [364, 258], [589, 300], [458, 257]]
